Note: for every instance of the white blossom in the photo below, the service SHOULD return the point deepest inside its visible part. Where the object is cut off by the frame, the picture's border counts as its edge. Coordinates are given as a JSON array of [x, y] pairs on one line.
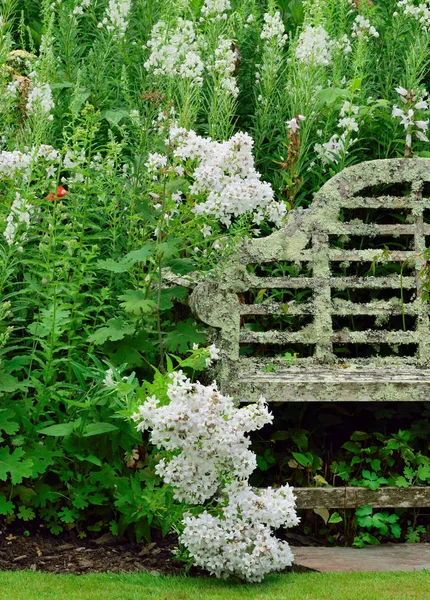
[[116, 15], [314, 46], [420, 12], [108, 380], [18, 219], [332, 150], [216, 10], [205, 431], [361, 27], [225, 180], [274, 29], [175, 52], [224, 65], [39, 99], [294, 123]]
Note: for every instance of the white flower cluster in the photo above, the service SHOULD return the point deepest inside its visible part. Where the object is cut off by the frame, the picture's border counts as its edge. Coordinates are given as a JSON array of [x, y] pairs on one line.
[[216, 10], [361, 27], [39, 99], [14, 162], [227, 177], [274, 29], [80, 7], [20, 214], [314, 46], [116, 15], [333, 150], [225, 65], [344, 44], [294, 123], [207, 431], [420, 13], [175, 53], [348, 113], [240, 541], [407, 119]]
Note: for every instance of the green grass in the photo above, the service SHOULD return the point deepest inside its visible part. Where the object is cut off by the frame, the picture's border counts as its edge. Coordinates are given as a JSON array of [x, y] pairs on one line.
[[141, 586]]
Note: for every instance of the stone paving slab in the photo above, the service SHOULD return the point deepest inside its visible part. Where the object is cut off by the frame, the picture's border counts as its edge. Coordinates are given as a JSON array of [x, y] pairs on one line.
[[387, 557]]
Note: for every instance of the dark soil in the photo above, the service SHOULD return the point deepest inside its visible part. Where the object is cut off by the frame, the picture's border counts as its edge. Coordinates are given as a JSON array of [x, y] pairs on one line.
[[69, 554], [47, 553]]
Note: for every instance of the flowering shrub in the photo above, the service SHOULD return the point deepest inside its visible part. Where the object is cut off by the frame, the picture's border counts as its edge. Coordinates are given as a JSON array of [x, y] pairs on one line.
[[207, 457], [139, 142]]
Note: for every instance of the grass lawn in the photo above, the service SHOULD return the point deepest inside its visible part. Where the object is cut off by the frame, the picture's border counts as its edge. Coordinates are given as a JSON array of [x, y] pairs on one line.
[[140, 586]]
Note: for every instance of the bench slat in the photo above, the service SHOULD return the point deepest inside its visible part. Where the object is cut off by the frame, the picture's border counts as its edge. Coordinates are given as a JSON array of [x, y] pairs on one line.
[[353, 497], [340, 307], [391, 282], [306, 336]]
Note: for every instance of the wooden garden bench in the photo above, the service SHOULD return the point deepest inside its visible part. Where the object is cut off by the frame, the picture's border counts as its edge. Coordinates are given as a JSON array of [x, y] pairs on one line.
[[345, 319]]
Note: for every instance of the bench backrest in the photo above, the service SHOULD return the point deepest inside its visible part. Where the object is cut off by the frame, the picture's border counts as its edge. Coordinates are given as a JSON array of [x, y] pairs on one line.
[[330, 256]]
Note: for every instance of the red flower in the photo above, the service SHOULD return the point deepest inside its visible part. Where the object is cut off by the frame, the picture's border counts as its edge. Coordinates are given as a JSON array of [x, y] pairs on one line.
[[60, 193]]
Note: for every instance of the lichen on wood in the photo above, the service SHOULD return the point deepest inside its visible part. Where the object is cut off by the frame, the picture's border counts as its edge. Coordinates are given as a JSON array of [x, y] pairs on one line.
[[305, 240]]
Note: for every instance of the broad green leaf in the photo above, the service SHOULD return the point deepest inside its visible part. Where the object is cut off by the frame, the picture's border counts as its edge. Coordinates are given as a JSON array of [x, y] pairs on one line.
[[6, 507], [8, 383], [15, 464], [116, 329], [6, 425], [26, 513], [352, 447], [59, 430], [98, 428], [302, 459], [135, 302], [114, 117], [323, 513], [129, 260], [423, 472], [185, 334], [335, 518]]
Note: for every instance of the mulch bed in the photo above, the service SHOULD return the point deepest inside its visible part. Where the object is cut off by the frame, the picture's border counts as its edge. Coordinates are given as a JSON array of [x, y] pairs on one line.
[[69, 554]]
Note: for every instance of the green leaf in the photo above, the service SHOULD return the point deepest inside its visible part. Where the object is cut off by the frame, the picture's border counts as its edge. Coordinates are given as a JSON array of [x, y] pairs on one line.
[[135, 302], [6, 425], [185, 334], [59, 430], [423, 472], [26, 513], [301, 439], [358, 436], [364, 511], [129, 260], [335, 518], [6, 507], [15, 464], [98, 428], [303, 460], [68, 515], [376, 464], [352, 447], [90, 458], [116, 329], [9, 383], [114, 117], [401, 482]]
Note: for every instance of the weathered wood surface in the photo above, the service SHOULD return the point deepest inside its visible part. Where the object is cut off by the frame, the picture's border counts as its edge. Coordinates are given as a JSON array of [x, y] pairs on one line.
[[306, 241], [353, 497]]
